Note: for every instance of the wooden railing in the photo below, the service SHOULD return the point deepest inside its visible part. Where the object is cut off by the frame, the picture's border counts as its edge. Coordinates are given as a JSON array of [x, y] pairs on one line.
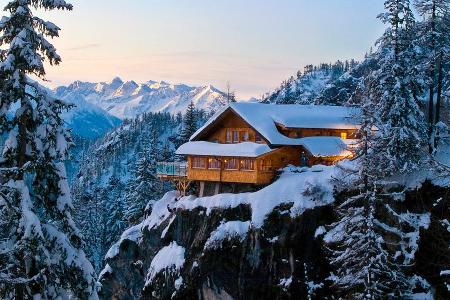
[[171, 169]]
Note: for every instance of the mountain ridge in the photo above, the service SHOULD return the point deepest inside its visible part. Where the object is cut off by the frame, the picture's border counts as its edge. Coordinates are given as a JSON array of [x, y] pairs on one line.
[[129, 99]]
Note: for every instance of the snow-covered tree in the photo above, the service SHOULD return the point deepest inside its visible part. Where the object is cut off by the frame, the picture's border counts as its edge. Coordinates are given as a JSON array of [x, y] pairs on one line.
[[114, 202], [41, 253], [433, 39], [398, 118], [145, 186], [189, 123], [363, 269]]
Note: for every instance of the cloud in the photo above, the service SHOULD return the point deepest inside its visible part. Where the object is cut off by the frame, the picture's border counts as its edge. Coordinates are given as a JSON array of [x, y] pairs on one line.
[[83, 47]]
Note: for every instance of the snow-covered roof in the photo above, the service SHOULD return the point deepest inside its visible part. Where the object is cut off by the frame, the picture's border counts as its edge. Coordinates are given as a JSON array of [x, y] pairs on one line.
[[264, 117], [247, 149], [325, 146]]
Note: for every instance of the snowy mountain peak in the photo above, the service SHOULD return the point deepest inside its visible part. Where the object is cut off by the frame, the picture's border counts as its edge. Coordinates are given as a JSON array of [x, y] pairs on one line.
[[116, 81], [130, 99]]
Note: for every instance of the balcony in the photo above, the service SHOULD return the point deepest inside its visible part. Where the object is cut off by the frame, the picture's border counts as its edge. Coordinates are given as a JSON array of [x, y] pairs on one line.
[[171, 170]]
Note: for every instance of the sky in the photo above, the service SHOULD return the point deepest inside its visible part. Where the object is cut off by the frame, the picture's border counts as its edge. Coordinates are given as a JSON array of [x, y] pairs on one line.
[[253, 44]]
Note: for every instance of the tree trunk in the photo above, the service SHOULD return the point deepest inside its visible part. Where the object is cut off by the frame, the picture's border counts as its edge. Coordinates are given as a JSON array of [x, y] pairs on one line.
[[439, 87], [432, 82]]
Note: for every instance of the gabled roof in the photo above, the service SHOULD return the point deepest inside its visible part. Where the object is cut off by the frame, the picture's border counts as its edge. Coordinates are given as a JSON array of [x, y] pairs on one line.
[[247, 149], [264, 117]]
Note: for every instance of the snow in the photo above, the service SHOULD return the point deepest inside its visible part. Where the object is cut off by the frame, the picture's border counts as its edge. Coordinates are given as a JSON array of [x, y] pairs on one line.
[[178, 283], [160, 211], [227, 231], [285, 282], [133, 234], [264, 117], [320, 231], [319, 146], [106, 270], [130, 99], [289, 188], [164, 232], [169, 259], [246, 149], [325, 146]]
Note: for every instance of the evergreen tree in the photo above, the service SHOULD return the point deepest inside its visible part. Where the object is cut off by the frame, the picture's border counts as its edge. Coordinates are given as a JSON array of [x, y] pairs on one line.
[[145, 186], [359, 253], [398, 118], [189, 123], [43, 257], [433, 38], [114, 202], [363, 267]]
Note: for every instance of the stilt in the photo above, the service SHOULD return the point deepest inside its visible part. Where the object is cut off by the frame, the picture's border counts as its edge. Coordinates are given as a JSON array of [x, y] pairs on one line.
[[202, 189], [217, 188]]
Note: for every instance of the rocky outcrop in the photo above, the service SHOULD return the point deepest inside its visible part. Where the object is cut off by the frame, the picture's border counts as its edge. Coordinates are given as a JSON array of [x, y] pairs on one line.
[[282, 259]]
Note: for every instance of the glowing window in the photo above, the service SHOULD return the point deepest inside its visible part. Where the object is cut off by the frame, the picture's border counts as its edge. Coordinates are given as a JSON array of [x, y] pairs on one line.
[[344, 135], [247, 164], [231, 164], [199, 163], [213, 163]]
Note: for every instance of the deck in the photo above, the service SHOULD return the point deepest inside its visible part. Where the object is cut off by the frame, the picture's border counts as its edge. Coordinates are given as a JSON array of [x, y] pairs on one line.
[[171, 170]]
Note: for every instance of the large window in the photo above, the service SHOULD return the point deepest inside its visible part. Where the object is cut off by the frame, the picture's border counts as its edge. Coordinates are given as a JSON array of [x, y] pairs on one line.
[[229, 136], [235, 136], [245, 136], [344, 135], [199, 163], [247, 164], [213, 163], [231, 164]]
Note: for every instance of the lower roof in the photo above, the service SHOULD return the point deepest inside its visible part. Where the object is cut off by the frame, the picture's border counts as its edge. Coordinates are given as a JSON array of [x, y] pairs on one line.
[[318, 146], [247, 149]]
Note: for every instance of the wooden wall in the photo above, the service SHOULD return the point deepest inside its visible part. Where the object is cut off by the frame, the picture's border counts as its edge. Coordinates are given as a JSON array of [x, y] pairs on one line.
[[276, 159], [231, 122]]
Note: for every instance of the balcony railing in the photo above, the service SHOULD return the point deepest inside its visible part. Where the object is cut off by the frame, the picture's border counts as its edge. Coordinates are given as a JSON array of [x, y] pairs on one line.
[[171, 169]]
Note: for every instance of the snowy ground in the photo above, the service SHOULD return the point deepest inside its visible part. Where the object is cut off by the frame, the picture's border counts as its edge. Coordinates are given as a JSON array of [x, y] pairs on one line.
[[293, 186]]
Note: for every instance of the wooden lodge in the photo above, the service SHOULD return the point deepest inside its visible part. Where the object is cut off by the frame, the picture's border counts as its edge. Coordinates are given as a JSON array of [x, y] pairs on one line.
[[246, 143]]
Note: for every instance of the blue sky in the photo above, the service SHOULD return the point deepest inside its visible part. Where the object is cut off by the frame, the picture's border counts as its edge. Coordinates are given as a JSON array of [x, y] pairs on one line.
[[253, 44]]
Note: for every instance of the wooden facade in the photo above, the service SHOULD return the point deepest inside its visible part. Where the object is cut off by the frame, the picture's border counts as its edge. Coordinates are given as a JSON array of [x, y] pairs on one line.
[[227, 128], [259, 170], [231, 128]]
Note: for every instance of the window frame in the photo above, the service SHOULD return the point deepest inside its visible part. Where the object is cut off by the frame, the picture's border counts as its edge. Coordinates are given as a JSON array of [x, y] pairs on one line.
[[214, 163], [196, 162], [229, 136], [245, 162], [227, 164], [236, 136]]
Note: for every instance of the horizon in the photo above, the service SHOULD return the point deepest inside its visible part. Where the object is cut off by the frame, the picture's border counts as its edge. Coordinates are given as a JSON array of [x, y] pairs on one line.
[[252, 45]]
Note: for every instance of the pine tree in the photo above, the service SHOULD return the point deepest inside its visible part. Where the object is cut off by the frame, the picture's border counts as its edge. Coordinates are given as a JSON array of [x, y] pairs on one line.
[[114, 202], [43, 257], [144, 187], [363, 267], [189, 123], [433, 38], [398, 118]]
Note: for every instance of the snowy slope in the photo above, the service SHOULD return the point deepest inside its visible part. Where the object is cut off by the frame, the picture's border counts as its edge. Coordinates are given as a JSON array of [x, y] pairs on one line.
[[130, 99], [87, 120]]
